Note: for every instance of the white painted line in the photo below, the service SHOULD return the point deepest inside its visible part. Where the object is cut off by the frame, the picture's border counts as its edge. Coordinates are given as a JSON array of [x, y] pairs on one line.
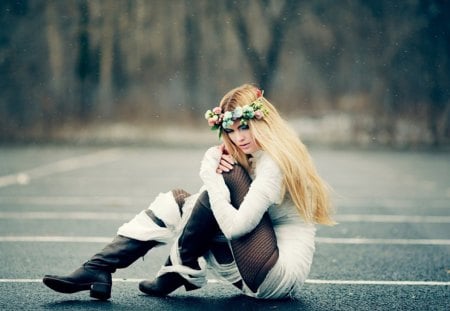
[[308, 281], [392, 203], [124, 216], [436, 203], [94, 200], [67, 215], [61, 166], [392, 218], [323, 240], [20, 280], [375, 282], [382, 241], [74, 239]]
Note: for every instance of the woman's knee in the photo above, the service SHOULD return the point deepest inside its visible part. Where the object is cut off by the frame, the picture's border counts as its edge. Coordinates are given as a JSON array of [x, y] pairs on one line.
[[180, 196], [237, 177]]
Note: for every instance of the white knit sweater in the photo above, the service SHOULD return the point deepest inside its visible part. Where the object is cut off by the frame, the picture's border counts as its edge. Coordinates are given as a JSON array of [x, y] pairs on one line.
[[295, 238]]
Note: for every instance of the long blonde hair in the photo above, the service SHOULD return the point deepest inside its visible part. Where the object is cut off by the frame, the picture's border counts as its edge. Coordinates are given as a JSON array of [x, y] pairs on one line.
[[301, 181]]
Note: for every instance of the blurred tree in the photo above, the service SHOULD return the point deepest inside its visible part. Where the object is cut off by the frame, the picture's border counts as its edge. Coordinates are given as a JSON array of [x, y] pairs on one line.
[[433, 42], [108, 29], [12, 113], [23, 93], [193, 55], [390, 30], [85, 68], [264, 64], [80, 60]]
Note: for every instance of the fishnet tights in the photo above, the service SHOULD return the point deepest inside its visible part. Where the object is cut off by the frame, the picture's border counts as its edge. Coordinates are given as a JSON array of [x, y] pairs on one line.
[[256, 252]]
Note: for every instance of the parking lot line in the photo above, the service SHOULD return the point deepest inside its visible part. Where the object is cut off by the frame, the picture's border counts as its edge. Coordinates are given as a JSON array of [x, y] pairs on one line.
[[378, 282], [72, 200], [342, 218], [382, 241], [67, 215], [61, 166], [392, 218], [308, 281], [393, 204], [53, 239], [323, 240]]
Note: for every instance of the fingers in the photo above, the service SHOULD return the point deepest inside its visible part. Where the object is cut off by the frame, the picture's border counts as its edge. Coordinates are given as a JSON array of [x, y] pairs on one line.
[[226, 163]]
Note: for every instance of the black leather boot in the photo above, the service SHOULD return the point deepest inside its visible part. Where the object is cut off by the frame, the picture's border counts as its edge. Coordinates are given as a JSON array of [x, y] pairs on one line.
[[165, 284], [193, 243], [95, 274]]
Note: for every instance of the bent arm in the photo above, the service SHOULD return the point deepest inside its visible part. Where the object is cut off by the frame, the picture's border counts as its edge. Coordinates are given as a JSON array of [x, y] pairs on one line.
[[265, 190]]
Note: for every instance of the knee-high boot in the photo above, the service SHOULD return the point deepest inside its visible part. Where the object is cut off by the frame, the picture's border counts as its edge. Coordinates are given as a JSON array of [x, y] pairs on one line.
[[182, 267], [95, 274]]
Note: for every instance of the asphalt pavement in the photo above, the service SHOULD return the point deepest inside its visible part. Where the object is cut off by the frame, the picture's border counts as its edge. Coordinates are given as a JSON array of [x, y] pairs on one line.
[[59, 204]]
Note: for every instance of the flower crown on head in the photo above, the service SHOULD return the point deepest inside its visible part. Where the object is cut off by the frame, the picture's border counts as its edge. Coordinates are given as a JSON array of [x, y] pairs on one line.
[[255, 110]]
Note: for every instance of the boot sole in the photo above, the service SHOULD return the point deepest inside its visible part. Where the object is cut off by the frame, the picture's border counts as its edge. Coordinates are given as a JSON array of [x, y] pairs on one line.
[[155, 290], [100, 291]]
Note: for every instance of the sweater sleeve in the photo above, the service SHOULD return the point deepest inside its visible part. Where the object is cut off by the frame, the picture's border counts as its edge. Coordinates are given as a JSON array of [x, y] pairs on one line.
[[265, 190]]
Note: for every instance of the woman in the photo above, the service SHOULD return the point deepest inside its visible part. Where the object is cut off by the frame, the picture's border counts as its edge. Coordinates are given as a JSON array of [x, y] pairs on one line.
[[253, 220]]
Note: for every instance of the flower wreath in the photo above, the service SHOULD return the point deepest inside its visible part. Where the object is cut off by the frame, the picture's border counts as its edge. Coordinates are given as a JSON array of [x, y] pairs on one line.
[[255, 110]]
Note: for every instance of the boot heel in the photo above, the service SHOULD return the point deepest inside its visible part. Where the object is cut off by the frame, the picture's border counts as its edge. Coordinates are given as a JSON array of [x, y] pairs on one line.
[[188, 286], [100, 291]]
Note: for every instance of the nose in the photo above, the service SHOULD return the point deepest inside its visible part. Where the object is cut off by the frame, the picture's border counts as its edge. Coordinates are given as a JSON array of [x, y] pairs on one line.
[[239, 136]]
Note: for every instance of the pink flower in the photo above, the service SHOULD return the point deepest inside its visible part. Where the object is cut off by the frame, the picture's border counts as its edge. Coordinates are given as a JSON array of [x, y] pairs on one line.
[[217, 110], [258, 114], [212, 121]]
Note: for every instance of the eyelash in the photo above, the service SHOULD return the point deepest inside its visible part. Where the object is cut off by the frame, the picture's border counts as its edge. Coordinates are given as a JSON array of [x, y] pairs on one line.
[[242, 127]]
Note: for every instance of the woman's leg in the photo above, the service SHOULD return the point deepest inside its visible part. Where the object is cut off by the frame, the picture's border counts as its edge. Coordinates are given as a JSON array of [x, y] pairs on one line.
[[255, 254], [95, 274], [182, 267]]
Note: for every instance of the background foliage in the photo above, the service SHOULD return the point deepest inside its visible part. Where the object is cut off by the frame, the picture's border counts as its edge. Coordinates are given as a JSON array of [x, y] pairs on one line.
[[384, 64]]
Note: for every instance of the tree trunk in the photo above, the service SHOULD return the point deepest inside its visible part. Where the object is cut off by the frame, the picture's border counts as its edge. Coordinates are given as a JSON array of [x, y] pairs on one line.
[[263, 64], [105, 96], [192, 48]]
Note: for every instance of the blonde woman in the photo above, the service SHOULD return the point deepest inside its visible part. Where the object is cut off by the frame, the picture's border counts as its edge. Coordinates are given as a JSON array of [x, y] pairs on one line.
[[253, 221]]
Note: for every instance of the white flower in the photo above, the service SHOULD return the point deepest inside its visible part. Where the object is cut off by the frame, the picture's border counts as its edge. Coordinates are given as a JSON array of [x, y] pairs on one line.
[[227, 115], [237, 113], [208, 114]]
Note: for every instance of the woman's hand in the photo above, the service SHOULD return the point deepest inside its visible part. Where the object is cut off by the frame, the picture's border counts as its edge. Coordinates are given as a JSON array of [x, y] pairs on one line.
[[210, 165], [226, 161]]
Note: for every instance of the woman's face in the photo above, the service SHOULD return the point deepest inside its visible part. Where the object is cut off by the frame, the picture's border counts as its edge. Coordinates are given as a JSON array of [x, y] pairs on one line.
[[242, 137]]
